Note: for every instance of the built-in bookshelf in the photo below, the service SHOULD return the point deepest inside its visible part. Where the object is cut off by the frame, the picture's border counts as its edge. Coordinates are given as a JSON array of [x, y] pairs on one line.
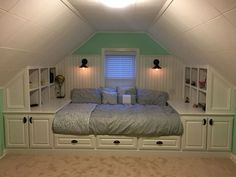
[[41, 85], [195, 86]]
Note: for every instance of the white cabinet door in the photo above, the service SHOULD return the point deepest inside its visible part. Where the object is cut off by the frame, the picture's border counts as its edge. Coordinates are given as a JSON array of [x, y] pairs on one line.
[[219, 133], [194, 137], [16, 131], [41, 135]]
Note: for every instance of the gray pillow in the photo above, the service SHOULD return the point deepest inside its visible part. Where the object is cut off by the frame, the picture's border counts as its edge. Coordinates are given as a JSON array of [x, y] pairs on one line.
[[126, 90], [109, 97], [146, 96], [86, 95]]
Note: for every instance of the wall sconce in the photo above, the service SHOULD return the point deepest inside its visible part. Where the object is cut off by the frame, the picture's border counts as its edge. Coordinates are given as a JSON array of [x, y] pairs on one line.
[[84, 64], [156, 64]]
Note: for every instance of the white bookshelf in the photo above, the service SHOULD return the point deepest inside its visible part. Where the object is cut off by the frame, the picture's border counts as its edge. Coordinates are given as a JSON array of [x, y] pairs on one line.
[[195, 86], [41, 85]]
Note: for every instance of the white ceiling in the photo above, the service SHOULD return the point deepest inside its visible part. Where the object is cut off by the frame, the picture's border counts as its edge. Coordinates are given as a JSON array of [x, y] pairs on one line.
[[136, 17], [42, 32]]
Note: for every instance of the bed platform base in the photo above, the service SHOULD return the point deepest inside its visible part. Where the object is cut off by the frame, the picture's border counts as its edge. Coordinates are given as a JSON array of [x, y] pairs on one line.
[[116, 142]]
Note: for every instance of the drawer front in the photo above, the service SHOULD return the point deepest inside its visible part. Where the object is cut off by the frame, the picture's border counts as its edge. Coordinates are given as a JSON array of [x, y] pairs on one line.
[[80, 142], [162, 143], [116, 142]]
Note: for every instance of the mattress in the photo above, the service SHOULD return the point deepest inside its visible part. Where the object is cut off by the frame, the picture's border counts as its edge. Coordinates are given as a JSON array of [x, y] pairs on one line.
[[129, 120]]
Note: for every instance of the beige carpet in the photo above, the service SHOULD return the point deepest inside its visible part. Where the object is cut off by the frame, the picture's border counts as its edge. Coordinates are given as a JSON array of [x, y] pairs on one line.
[[114, 166]]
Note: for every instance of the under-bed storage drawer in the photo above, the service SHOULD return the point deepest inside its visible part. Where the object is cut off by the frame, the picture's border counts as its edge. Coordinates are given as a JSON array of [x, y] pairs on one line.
[[116, 142], [70, 141], [163, 143]]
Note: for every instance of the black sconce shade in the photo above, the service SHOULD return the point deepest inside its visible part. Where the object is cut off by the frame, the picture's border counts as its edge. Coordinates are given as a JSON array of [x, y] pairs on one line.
[[84, 63], [156, 64]]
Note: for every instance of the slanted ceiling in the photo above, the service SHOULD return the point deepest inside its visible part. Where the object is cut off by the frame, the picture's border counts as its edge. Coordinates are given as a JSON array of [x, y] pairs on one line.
[[43, 32], [37, 32], [200, 32]]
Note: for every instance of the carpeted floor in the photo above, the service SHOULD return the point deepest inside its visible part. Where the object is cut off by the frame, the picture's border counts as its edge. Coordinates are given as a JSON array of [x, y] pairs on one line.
[[114, 166]]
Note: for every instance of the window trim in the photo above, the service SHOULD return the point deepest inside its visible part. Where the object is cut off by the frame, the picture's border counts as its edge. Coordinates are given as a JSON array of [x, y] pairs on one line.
[[117, 50]]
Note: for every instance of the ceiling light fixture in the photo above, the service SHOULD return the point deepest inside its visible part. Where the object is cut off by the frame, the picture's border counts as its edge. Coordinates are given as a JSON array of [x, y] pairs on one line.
[[117, 3]]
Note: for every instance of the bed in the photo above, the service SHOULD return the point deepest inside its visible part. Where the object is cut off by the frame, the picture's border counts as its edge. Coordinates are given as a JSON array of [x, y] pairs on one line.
[[93, 112]]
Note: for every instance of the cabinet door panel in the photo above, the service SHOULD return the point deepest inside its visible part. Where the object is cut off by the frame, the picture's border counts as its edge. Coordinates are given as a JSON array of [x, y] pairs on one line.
[[194, 137], [220, 134], [16, 131], [41, 132]]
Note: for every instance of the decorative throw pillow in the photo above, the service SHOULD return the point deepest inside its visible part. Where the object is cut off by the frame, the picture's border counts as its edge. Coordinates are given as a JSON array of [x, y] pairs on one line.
[[127, 99], [86, 95], [146, 96], [109, 97], [126, 90]]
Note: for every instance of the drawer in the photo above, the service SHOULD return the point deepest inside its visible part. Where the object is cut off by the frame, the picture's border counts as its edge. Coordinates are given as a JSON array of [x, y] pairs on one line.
[[162, 143], [80, 142], [116, 142]]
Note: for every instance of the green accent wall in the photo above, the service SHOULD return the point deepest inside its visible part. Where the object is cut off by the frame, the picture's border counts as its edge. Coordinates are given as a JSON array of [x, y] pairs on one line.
[[234, 130], [1, 124], [142, 41]]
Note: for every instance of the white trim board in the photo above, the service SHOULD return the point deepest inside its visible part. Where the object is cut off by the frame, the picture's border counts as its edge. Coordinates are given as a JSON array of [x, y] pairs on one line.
[[3, 154], [119, 152]]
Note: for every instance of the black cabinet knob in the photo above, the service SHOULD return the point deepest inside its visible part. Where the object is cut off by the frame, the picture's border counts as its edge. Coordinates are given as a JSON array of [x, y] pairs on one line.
[[159, 142], [116, 142], [24, 120], [30, 120], [211, 122], [74, 141], [204, 121]]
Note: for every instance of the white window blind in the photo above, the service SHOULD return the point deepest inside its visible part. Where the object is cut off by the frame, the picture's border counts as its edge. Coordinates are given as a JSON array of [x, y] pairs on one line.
[[120, 67]]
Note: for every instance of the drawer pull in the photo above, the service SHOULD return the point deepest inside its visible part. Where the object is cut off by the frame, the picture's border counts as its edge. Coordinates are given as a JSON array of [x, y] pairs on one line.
[[74, 141], [116, 142], [159, 142]]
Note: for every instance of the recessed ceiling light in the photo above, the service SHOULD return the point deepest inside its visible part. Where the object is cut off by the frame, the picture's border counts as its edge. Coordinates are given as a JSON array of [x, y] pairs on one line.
[[117, 3]]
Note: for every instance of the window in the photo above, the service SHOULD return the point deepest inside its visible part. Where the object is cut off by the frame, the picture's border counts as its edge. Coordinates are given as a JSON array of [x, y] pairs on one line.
[[120, 69]]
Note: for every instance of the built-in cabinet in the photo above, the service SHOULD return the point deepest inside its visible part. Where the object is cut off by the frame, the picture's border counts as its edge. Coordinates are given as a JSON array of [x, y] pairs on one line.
[[206, 113], [213, 133], [201, 133], [207, 90], [28, 130]]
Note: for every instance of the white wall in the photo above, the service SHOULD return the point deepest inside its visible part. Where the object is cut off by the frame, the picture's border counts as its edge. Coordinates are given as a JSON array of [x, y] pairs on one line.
[[169, 78]]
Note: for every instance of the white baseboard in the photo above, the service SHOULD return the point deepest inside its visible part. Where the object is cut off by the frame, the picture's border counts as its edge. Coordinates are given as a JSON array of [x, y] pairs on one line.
[[119, 152], [233, 157], [3, 154]]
